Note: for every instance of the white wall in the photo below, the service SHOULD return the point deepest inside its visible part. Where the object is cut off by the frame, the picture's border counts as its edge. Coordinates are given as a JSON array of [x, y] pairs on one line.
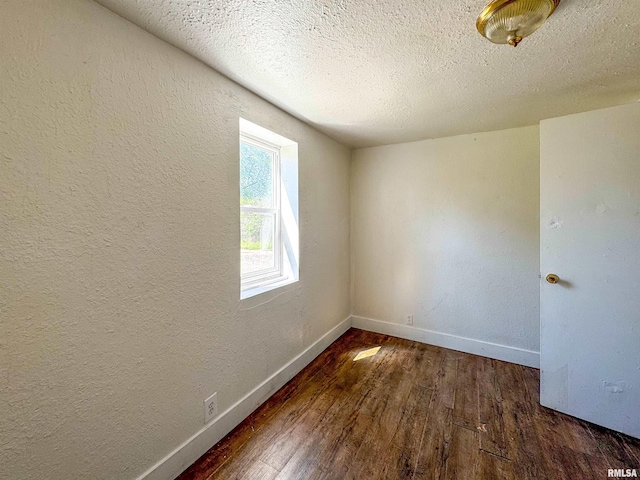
[[119, 244], [447, 230]]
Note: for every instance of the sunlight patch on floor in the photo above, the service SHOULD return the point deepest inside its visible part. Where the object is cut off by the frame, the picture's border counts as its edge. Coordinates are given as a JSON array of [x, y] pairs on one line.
[[366, 353]]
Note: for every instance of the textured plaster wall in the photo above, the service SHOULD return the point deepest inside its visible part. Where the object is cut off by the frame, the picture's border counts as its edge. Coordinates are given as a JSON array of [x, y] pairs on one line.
[[119, 238], [447, 230]]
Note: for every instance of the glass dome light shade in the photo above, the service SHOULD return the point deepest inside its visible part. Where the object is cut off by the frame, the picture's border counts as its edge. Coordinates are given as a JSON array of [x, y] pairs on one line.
[[509, 21]]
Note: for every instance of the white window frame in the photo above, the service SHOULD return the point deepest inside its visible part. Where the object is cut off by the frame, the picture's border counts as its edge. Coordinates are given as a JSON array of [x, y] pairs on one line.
[[286, 241], [274, 274]]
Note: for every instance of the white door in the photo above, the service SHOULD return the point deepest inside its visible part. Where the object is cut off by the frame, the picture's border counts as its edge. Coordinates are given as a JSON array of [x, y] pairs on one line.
[[590, 238]]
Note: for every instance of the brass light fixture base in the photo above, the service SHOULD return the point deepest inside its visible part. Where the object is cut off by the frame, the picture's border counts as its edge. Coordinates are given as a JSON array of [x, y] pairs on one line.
[[509, 21], [514, 41]]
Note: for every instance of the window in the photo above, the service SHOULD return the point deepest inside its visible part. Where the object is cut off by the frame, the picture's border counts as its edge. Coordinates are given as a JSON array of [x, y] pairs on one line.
[[259, 210], [268, 210]]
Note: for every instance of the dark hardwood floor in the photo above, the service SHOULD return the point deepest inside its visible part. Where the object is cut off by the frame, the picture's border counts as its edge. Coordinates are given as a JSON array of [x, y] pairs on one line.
[[412, 411]]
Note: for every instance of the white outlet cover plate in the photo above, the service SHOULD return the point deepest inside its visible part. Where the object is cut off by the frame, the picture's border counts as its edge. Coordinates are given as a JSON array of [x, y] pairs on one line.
[[211, 408]]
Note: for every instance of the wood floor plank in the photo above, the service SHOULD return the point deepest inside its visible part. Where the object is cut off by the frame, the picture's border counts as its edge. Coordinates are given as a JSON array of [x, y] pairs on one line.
[[413, 420], [349, 377], [260, 470], [385, 410], [463, 459], [435, 443], [491, 411], [438, 429], [411, 411], [632, 446], [616, 448], [465, 409], [493, 467], [522, 443], [352, 386], [445, 382], [431, 359], [574, 453]]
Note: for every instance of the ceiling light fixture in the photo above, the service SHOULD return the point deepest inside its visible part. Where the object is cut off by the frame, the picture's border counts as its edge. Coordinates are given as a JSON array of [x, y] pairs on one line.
[[509, 21]]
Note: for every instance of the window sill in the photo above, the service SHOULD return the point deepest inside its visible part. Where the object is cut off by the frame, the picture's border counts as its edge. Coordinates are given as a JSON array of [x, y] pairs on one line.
[[247, 292]]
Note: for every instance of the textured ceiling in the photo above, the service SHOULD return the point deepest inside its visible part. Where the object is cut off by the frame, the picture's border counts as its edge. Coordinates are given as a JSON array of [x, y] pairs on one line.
[[376, 72]]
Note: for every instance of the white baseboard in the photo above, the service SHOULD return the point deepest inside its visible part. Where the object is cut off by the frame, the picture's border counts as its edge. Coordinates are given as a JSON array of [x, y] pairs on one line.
[[527, 358], [182, 457]]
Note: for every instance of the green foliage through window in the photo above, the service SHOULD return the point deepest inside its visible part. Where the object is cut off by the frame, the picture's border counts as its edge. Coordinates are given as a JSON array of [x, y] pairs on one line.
[[256, 176], [256, 231]]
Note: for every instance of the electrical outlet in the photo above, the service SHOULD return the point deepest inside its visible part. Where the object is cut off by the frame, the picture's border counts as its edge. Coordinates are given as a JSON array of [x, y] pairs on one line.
[[409, 319], [211, 408]]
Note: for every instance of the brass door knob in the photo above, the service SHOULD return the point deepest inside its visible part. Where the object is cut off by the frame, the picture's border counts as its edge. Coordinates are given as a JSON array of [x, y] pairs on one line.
[[553, 278]]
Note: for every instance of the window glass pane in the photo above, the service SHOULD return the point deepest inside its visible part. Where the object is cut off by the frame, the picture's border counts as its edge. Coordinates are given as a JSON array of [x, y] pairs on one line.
[[257, 232], [256, 176]]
